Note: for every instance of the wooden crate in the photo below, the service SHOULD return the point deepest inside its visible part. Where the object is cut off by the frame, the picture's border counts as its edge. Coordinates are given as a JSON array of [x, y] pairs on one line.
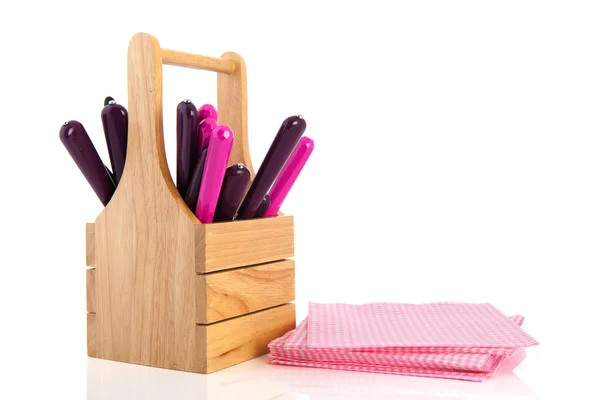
[[165, 290]]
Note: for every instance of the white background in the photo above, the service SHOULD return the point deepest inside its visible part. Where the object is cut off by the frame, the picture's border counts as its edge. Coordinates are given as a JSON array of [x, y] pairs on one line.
[[468, 132]]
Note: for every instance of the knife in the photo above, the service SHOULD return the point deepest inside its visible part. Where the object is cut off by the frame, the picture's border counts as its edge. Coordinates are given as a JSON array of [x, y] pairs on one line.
[[191, 195], [205, 129], [207, 111], [234, 185], [217, 157], [288, 135], [290, 171], [114, 121], [79, 145], [264, 206], [187, 144]]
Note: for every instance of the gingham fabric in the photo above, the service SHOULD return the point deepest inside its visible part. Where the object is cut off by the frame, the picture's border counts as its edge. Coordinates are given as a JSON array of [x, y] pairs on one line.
[[341, 339], [384, 325]]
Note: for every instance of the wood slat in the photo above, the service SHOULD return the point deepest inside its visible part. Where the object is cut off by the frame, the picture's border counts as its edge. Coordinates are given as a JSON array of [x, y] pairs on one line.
[[240, 291], [239, 339], [235, 244]]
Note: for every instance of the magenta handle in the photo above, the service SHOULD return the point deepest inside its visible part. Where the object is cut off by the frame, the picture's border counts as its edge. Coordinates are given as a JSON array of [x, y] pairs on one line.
[[217, 157], [207, 111], [205, 129], [290, 171]]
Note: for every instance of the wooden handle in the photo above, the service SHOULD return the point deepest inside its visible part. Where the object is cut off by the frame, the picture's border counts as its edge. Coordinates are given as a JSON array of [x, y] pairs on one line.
[[145, 148], [189, 60]]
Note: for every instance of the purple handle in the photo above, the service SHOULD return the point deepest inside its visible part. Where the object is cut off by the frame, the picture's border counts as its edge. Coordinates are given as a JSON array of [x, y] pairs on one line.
[[205, 129], [217, 157], [191, 195], [290, 132], [290, 171], [187, 144], [80, 147], [114, 121], [264, 206], [232, 191]]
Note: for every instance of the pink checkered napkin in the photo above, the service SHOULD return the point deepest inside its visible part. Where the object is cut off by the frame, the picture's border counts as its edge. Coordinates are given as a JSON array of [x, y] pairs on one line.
[[467, 376], [434, 327], [291, 350], [292, 346]]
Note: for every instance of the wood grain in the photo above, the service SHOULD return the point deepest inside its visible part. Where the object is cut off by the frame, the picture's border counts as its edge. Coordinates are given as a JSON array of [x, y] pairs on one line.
[[235, 244], [145, 278], [239, 339], [92, 345], [240, 291], [189, 60], [232, 103], [90, 245], [90, 289]]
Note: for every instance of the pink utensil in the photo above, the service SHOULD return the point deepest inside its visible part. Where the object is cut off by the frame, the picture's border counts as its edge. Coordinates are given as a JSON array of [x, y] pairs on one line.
[[207, 111], [205, 129], [217, 157], [290, 171]]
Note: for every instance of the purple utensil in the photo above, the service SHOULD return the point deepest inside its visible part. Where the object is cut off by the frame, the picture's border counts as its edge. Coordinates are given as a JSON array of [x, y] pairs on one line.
[[191, 195], [264, 206], [80, 147], [114, 121], [232, 191], [187, 144], [289, 134]]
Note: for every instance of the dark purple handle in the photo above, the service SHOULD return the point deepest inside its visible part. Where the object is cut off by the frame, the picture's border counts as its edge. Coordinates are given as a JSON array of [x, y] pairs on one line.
[[80, 147], [289, 134], [187, 144], [234, 185], [264, 206], [191, 195], [114, 121]]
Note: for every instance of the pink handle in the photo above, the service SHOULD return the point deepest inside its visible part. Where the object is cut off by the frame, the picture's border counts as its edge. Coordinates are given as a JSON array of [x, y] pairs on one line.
[[290, 171], [217, 157], [205, 129], [207, 111]]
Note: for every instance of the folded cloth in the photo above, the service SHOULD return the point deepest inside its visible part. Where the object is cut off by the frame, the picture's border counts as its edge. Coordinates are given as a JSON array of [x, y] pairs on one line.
[[455, 356], [467, 326]]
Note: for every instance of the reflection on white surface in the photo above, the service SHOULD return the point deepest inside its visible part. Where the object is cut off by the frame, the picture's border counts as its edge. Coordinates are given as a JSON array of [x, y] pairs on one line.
[[257, 380]]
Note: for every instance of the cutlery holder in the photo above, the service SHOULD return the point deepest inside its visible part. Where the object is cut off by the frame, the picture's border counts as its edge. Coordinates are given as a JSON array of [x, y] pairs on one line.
[[163, 289]]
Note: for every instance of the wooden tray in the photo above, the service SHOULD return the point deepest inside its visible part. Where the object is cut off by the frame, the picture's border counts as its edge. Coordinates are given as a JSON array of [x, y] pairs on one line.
[[166, 290]]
